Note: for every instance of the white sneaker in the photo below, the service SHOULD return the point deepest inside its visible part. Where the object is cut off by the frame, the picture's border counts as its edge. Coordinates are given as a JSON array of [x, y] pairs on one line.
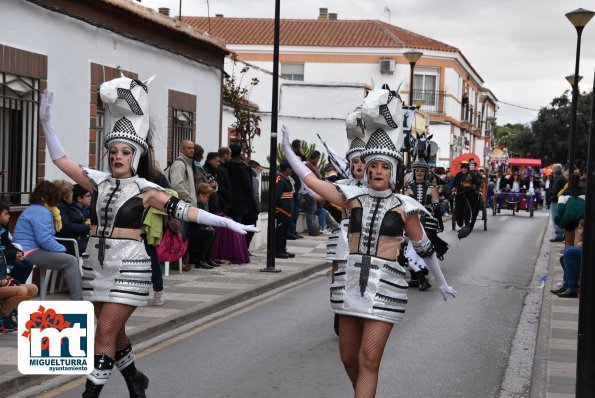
[[158, 298], [325, 231]]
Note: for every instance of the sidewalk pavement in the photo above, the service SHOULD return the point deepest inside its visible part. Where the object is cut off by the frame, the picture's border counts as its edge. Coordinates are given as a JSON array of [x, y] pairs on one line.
[[188, 297], [554, 366]]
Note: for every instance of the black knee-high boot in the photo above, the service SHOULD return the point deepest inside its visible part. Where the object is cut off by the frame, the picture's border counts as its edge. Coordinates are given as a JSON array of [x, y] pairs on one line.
[[98, 377], [136, 381]]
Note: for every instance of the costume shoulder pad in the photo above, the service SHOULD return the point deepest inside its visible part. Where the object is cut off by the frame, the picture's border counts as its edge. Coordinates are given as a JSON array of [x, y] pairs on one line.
[[350, 191], [144, 185], [96, 176], [411, 205]]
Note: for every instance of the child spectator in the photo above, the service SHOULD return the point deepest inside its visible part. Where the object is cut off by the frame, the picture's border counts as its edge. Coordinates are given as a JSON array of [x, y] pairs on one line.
[[82, 198], [74, 225], [18, 268], [201, 253], [12, 293], [35, 231]]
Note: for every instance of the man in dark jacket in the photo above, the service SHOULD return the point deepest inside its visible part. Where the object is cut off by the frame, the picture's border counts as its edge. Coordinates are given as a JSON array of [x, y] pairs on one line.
[[240, 181], [283, 209], [558, 183]]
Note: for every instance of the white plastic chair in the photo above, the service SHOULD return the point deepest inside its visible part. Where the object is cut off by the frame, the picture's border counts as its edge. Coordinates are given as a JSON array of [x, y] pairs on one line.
[[48, 278]]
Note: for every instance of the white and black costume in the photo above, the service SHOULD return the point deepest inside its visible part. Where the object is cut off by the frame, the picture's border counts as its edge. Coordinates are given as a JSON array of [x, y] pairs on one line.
[[370, 284], [117, 270]]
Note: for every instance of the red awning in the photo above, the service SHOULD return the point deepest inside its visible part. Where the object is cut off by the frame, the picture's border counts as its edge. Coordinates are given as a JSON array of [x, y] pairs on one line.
[[524, 162]]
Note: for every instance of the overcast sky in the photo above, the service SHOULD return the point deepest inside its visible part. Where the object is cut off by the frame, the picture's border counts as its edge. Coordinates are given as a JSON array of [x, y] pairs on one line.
[[522, 49]]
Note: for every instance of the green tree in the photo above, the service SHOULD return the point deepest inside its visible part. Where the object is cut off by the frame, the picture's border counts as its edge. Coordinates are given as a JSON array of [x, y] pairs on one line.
[[307, 149], [551, 129]]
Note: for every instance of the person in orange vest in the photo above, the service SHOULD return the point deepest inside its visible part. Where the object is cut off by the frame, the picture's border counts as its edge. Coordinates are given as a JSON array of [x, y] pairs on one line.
[[283, 209]]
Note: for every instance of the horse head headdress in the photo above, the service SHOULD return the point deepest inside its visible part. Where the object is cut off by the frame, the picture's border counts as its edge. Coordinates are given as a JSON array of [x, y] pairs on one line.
[[126, 103], [420, 151], [383, 120]]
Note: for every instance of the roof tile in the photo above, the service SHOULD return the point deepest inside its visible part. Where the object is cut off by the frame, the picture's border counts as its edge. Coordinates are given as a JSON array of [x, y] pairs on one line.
[[312, 32]]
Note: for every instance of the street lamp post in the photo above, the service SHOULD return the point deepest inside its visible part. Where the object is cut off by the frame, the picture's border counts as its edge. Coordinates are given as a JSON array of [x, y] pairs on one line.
[[412, 57], [570, 80], [585, 366], [579, 19], [273, 148]]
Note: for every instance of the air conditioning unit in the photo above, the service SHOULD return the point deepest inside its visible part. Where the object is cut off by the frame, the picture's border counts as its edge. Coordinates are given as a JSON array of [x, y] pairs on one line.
[[387, 66]]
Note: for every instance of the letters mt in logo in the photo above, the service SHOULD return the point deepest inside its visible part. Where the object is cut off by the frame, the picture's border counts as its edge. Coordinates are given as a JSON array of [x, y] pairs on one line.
[[56, 335]]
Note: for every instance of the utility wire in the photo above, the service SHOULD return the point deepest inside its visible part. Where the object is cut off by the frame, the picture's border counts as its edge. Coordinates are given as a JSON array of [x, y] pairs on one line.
[[517, 106]]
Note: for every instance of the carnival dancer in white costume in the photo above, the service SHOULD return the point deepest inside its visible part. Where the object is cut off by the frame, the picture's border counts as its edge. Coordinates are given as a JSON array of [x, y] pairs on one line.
[[117, 274], [369, 291], [422, 189], [337, 248]]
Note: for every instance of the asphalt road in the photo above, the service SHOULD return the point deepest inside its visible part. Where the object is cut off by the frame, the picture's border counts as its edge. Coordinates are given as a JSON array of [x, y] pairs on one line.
[[285, 346]]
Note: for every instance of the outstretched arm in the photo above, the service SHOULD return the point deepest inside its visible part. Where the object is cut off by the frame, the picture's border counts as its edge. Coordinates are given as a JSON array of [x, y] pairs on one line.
[[183, 211], [424, 248], [325, 189], [66, 165]]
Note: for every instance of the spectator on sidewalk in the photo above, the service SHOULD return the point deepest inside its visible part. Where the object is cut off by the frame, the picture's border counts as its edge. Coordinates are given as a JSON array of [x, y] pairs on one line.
[[283, 208], [12, 293], [82, 198], [240, 179], [223, 181], [252, 218], [571, 263], [181, 179], [558, 182], [298, 191], [571, 208], [206, 234], [312, 206], [74, 224], [200, 174], [18, 268], [35, 232]]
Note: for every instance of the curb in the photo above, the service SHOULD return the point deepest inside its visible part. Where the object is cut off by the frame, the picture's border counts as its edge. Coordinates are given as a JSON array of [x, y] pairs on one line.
[[193, 313]]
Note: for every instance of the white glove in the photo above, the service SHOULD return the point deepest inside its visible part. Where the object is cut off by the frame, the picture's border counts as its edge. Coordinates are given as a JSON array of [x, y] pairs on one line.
[[296, 163], [51, 138], [434, 266], [206, 218]]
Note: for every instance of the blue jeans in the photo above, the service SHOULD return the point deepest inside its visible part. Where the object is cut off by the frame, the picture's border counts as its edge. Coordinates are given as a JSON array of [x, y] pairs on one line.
[[571, 260], [156, 271], [557, 230], [312, 209]]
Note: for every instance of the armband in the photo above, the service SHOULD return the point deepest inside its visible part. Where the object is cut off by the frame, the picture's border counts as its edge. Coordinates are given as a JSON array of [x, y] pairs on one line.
[[177, 208], [424, 248]]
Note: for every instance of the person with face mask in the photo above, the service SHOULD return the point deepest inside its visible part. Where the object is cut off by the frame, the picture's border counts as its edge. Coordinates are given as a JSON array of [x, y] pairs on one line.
[[117, 273]]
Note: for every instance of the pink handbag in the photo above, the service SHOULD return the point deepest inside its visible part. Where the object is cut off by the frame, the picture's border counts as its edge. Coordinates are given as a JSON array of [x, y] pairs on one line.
[[172, 246]]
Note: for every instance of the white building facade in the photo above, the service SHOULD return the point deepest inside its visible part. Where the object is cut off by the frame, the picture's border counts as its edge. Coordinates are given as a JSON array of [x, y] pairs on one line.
[[333, 53], [75, 46]]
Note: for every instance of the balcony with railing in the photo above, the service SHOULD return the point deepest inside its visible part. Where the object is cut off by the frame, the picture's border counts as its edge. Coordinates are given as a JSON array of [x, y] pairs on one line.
[[432, 101]]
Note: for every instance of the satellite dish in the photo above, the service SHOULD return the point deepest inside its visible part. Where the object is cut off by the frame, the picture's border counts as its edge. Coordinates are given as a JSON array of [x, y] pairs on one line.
[[433, 148]]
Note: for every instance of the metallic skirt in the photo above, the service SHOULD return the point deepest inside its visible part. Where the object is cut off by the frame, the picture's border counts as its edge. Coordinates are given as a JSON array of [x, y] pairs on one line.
[[369, 287], [337, 247], [117, 271]]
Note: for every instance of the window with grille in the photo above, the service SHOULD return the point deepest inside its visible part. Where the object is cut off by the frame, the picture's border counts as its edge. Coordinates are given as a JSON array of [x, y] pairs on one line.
[[183, 128], [19, 106], [100, 151], [292, 71]]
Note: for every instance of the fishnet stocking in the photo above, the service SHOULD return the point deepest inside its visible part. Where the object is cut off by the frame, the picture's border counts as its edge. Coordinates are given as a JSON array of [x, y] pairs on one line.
[[361, 343], [111, 322]]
